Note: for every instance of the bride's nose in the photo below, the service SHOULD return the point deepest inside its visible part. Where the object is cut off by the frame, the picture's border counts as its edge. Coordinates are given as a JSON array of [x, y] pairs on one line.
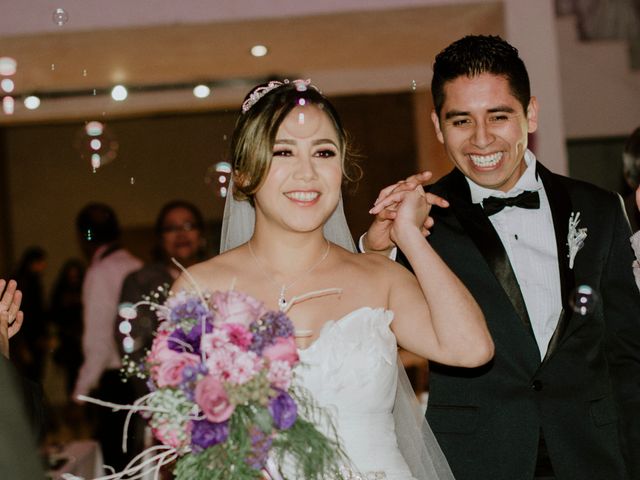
[[305, 168]]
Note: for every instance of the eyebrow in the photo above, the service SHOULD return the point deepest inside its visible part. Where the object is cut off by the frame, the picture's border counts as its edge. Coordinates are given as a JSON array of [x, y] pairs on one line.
[[319, 141], [459, 113]]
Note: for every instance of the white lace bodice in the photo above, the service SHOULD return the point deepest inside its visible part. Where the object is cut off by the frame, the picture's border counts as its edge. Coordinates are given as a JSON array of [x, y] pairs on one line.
[[351, 370]]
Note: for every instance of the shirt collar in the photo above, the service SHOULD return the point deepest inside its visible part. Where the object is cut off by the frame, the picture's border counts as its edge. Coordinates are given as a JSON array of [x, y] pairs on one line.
[[528, 181]]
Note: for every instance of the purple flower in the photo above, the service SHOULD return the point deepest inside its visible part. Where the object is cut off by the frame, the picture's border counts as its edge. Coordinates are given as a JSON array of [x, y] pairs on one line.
[[185, 308], [268, 328], [179, 341], [283, 410], [205, 434]]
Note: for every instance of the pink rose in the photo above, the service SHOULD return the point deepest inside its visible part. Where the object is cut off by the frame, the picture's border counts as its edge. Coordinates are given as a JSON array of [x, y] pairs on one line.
[[160, 347], [169, 372], [213, 400], [238, 335], [283, 349], [236, 307]]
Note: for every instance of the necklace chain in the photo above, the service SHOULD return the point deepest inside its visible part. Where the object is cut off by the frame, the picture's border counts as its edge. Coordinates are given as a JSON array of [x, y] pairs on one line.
[[282, 300]]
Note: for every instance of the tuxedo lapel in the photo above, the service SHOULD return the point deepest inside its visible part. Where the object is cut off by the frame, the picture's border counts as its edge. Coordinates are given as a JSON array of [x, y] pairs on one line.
[[477, 225], [561, 207]]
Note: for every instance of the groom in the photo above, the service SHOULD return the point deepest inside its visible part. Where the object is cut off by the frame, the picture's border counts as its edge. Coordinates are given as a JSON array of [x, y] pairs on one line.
[[548, 260]]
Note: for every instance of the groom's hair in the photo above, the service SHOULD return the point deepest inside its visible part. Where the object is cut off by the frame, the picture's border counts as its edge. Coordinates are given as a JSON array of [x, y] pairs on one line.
[[474, 55], [256, 128]]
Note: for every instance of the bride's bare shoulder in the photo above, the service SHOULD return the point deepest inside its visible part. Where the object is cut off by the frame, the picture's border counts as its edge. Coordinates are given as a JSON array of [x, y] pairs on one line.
[[214, 274], [370, 263]]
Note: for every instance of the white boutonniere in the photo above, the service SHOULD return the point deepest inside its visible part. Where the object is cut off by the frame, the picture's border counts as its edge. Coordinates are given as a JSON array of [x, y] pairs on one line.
[[575, 239]]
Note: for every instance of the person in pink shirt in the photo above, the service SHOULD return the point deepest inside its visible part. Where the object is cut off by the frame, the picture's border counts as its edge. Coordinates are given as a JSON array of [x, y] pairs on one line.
[[110, 263]]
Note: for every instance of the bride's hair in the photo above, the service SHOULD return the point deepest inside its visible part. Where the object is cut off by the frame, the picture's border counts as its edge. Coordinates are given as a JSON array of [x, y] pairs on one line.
[[265, 107]]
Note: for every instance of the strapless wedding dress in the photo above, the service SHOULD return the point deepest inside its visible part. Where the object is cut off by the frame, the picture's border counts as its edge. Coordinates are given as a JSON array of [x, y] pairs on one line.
[[351, 371]]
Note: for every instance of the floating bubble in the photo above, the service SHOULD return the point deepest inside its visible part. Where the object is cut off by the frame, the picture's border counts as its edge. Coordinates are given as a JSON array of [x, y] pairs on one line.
[[8, 105], [127, 311], [127, 344], [414, 85], [584, 300], [7, 85], [302, 102], [8, 66], [217, 177], [125, 327], [96, 144], [60, 16]]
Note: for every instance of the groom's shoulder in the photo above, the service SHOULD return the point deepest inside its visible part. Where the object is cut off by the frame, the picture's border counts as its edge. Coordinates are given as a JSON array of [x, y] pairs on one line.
[[581, 189]]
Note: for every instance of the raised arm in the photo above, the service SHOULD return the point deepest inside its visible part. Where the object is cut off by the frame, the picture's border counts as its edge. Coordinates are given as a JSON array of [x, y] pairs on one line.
[[436, 316]]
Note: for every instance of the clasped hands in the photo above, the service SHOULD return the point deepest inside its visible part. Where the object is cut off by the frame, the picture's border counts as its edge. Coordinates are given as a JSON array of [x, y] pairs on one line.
[[11, 316], [399, 206]]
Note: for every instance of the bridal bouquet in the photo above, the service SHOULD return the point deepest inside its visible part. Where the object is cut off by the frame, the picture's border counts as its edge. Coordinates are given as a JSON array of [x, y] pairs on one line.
[[221, 399]]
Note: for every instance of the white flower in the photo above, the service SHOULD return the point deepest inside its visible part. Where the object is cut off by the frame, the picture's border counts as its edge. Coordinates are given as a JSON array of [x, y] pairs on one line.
[[575, 238]]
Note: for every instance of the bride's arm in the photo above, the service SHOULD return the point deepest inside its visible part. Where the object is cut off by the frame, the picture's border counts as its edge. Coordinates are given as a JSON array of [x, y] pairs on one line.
[[435, 315]]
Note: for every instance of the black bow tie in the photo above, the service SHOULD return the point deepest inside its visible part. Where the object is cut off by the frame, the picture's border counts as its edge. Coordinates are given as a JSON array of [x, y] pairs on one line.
[[528, 199]]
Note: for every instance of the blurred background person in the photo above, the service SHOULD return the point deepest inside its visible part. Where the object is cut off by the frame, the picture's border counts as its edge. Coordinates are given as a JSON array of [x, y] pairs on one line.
[[110, 263], [178, 233], [66, 317], [30, 345], [631, 168]]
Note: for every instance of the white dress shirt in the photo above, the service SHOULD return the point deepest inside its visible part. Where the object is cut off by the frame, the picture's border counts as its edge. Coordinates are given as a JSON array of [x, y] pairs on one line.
[[100, 297], [529, 239]]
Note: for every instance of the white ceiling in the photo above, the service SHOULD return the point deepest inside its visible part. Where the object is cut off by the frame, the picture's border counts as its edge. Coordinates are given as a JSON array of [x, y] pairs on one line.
[[163, 43]]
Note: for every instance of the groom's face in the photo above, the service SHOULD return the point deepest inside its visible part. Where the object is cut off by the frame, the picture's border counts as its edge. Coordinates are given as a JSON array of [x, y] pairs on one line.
[[484, 129]]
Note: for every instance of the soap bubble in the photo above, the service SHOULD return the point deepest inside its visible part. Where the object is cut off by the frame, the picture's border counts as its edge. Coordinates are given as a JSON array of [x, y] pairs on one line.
[[96, 144], [60, 16], [583, 300], [217, 177]]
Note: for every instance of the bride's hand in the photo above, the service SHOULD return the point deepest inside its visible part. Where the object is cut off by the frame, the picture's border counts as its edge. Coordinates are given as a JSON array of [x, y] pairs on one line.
[[412, 212], [386, 206]]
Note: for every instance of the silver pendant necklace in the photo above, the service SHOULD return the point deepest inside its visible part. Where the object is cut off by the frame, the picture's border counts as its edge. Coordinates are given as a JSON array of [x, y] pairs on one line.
[[283, 304]]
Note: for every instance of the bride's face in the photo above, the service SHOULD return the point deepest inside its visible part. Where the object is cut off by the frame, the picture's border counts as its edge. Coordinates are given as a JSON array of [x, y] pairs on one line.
[[302, 187]]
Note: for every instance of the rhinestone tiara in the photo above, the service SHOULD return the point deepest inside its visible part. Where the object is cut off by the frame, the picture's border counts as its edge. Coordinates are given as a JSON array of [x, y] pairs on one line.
[[258, 93]]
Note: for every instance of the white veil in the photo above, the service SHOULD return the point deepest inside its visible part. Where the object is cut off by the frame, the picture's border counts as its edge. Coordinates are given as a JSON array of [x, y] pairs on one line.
[[415, 438]]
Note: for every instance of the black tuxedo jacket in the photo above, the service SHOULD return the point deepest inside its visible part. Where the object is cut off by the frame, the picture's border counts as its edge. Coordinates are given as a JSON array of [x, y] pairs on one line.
[[584, 396]]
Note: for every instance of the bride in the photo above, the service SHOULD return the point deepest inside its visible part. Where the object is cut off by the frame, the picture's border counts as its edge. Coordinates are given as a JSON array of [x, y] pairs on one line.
[[287, 244]]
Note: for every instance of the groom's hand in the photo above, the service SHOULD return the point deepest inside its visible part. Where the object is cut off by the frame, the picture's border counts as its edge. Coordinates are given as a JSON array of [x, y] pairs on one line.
[[378, 237]]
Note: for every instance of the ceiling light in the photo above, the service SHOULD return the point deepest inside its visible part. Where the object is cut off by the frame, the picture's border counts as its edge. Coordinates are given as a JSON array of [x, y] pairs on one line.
[[119, 93], [259, 50], [7, 66], [201, 91], [32, 102]]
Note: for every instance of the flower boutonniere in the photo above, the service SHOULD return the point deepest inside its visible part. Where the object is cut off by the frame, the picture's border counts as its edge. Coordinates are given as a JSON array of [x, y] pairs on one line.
[[575, 239]]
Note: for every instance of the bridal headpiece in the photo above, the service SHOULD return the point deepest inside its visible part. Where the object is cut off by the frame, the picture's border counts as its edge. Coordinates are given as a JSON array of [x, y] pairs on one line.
[[258, 93]]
